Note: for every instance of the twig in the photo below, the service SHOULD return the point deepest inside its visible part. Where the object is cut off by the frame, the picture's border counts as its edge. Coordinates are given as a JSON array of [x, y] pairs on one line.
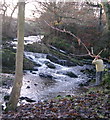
[[78, 39], [64, 31]]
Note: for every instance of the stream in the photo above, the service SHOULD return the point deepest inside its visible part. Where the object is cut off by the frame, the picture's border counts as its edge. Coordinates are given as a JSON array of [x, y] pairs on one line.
[[44, 82]]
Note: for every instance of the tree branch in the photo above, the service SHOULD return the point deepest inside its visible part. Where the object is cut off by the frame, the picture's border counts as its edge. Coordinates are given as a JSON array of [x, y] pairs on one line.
[[79, 41]]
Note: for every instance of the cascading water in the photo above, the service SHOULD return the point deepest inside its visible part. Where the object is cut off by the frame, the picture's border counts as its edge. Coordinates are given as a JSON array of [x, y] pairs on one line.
[[44, 82]]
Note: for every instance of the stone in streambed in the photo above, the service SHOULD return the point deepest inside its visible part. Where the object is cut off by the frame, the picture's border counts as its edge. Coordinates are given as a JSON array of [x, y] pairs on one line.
[[27, 87], [71, 74], [35, 84], [6, 97], [50, 65], [27, 99], [45, 75], [60, 61]]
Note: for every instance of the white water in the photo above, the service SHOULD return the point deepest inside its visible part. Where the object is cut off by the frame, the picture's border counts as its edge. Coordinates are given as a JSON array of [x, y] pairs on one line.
[[38, 88], [44, 88]]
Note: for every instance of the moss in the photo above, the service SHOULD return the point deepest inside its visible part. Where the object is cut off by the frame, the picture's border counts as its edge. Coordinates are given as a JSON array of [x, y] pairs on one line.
[[8, 59], [35, 47], [8, 62], [106, 78], [62, 44], [28, 65]]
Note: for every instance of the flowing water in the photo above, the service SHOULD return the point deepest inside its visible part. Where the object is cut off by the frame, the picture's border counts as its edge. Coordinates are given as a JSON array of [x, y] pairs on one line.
[[40, 88], [58, 82]]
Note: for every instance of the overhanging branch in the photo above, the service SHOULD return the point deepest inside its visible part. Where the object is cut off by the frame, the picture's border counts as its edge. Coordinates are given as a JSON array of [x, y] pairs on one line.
[[90, 53]]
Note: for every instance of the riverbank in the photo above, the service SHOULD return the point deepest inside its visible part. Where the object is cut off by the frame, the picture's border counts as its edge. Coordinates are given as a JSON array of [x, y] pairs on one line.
[[94, 104], [89, 103]]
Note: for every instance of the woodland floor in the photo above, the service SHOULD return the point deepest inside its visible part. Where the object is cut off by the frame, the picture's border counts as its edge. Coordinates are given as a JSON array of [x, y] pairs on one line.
[[93, 104]]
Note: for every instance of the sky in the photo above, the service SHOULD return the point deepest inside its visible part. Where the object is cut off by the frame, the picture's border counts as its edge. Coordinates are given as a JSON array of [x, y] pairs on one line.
[[29, 7]]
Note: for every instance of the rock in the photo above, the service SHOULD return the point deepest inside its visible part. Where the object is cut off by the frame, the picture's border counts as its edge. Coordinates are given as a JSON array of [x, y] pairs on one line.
[[45, 75], [50, 65], [6, 97], [37, 48], [59, 96], [60, 61], [69, 64], [66, 63], [28, 64], [88, 71], [52, 58], [27, 99], [68, 96], [71, 74], [4, 83], [27, 87], [87, 83], [38, 65], [8, 59], [33, 72], [35, 69], [35, 84]]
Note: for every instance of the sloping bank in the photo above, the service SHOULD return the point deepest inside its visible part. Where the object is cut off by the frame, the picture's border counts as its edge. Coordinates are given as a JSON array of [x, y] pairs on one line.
[[94, 104]]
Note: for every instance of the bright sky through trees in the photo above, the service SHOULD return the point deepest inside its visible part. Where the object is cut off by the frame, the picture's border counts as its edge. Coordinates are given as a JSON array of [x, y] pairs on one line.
[[28, 9], [30, 6]]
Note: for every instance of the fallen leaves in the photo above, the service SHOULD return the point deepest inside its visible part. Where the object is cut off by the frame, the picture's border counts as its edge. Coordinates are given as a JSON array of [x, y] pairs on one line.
[[91, 105]]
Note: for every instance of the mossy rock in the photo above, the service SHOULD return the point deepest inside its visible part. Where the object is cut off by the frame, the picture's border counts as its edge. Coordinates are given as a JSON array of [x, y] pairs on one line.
[[50, 65], [62, 44], [28, 65], [8, 62], [36, 47], [8, 59], [71, 74]]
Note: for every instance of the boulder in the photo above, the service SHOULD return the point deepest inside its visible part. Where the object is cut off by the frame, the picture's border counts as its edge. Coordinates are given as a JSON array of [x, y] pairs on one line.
[[27, 87], [52, 58], [8, 61], [6, 97], [38, 65], [27, 99], [66, 63], [45, 75], [71, 74], [50, 65], [28, 64], [60, 61]]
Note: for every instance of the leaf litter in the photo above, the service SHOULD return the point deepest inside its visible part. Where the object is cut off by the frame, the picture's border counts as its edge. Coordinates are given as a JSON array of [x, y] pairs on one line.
[[90, 105]]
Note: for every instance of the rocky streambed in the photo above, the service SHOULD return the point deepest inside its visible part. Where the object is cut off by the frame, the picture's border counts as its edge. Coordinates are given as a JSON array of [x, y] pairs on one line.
[[45, 87], [48, 79]]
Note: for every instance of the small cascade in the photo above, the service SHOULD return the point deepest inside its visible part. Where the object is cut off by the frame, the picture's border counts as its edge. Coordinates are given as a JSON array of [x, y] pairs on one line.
[[50, 77]]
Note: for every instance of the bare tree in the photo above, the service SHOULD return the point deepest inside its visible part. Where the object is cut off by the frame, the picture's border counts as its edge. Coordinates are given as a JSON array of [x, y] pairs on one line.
[[15, 94], [106, 6], [7, 17]]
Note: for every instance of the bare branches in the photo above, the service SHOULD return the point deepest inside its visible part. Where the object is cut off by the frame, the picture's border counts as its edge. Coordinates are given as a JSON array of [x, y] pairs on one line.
[[78, 39]]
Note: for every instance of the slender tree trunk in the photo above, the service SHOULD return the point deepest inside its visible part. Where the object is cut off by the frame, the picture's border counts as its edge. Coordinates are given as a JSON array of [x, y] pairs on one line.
[[106, 7], [15, 94]]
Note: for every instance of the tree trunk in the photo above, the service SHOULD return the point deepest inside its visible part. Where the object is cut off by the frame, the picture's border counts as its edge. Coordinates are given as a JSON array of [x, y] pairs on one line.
[[15, 94], [106, 7]]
